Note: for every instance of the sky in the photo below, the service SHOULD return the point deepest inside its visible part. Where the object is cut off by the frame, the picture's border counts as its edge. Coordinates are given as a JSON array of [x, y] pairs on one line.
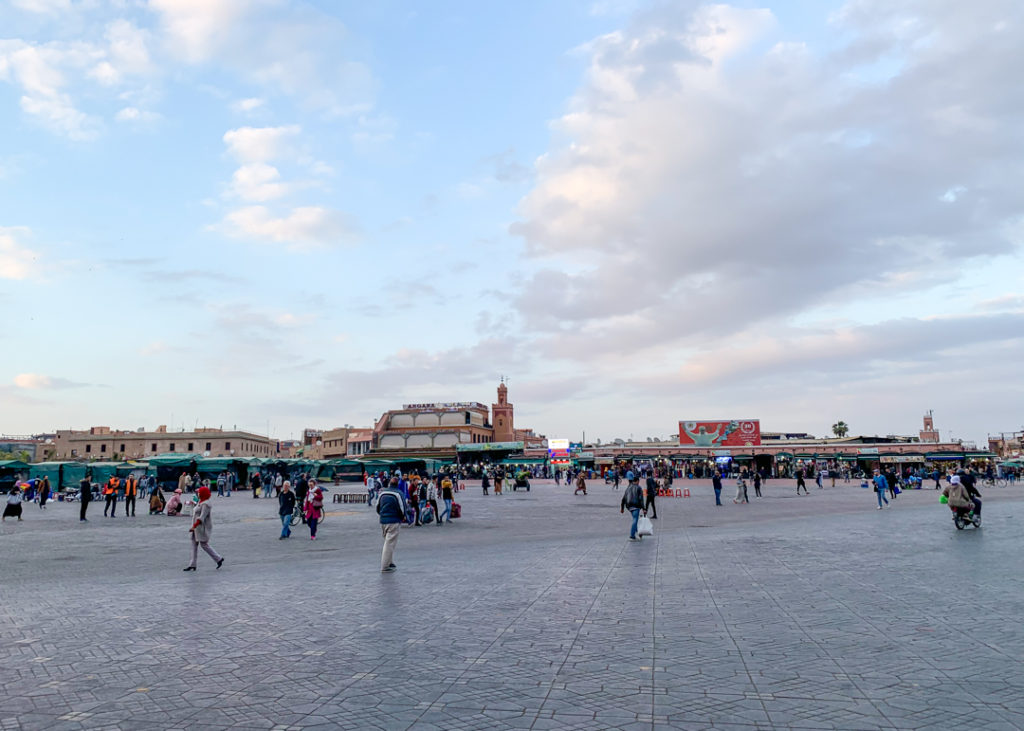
[[274, 215]]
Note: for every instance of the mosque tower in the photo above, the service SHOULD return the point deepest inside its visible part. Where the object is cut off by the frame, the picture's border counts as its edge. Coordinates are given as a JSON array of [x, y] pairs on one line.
[[501, 416]]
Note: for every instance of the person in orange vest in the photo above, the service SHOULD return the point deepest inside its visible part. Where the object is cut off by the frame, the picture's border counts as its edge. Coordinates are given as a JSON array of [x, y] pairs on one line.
[[110, 493], [131, 489]]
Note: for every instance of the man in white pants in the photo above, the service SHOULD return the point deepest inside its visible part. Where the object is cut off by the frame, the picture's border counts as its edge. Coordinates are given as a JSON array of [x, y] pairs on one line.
[[391, 509]]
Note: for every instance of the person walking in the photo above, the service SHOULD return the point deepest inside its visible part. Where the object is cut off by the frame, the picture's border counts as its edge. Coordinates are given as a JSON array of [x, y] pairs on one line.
[[44, 492], [716, 483], [314, 510], [581, 484], [800, 482], [633, 499], [229, 483], [391, 509], [221, 482], [285, 508], [202, 527], [741, 492], [652, 491], [255, 482], [757, 485], [448, 498], [84, 498], [432, 498], [892, 482], [818, 479], [485, 482], [13, 507], [880, 487], [279, 483], [131, 491], [110, 493]]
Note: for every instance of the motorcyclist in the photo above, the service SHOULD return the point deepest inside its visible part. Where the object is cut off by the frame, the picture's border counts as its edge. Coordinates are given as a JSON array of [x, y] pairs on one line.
[[960, 498]]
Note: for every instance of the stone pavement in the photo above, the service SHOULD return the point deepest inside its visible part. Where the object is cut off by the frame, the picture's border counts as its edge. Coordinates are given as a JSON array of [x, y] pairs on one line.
[[532, 611]]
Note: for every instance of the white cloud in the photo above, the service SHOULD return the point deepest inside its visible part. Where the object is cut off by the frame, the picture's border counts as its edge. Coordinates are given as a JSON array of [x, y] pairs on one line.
[[302, 228], [16, 262], [248, 105], [715, 183], [134, 114], [257, 181], [197, 29], [43, 7], [39, 382], [259, 144]]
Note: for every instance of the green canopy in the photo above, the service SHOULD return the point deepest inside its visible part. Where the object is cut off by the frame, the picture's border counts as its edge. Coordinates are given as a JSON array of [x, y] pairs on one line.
[[218, 464], [102, 471], [783, 455], [172, 460], [12, 464], [743, 458], [523, 461], [50, 470], [73, 473]]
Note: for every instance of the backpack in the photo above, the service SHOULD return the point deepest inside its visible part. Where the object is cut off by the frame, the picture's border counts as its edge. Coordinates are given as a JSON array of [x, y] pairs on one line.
[[427, 515]]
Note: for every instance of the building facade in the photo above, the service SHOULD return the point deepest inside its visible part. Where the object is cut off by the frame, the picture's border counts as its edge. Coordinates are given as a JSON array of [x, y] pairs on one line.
[[104, 443], [433, 426]]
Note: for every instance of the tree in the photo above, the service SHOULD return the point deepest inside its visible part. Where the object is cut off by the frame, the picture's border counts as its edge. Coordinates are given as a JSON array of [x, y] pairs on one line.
[[840, 429]]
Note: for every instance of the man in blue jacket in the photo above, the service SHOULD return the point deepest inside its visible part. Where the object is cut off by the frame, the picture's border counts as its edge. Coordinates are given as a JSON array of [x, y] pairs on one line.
[[391, 509]]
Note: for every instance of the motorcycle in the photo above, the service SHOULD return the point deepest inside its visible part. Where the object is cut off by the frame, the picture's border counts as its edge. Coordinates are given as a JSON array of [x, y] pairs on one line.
[[963, 518]]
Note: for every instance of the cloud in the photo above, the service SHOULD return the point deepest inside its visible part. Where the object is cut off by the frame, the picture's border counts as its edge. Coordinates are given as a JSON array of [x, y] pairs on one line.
[[259, 144], [39, 382], [134, 114], [303, 227], [248, 105], [714, 183], [259, 182], [16, 261], [295, 49], [43, 7]]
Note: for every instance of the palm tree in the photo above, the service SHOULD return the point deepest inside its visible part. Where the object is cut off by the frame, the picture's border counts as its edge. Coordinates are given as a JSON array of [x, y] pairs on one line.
[[840, 429]]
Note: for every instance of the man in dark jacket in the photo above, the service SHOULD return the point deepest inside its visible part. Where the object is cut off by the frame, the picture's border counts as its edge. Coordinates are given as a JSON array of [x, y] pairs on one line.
[[84, 497], [716, 482], [632, 498], [652, 491], [285, 508], [391, 509]]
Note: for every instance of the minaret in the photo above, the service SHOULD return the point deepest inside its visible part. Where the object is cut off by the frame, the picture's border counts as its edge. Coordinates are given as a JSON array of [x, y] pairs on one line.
[[501, 416]]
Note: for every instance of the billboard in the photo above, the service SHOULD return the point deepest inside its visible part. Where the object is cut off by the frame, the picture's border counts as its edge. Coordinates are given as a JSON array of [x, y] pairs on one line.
[[558, 451], [738, 433]]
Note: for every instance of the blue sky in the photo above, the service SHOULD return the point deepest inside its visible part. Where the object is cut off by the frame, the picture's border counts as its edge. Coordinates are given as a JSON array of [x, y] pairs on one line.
[[282, 214]]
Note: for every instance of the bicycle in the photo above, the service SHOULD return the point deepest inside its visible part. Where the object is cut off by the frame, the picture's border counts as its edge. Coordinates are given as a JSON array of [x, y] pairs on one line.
[[994, 482], [298, 515]]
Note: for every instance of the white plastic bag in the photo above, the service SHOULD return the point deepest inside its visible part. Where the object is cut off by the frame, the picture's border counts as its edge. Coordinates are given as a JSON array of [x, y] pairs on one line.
[[644, 526]]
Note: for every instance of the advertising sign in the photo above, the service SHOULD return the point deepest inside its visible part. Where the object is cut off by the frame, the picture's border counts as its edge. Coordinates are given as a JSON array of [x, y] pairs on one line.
[[740, 433], [490, 447], [558, 451]]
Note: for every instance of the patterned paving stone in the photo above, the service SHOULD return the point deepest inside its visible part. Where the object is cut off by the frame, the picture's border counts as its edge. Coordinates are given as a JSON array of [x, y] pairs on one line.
[[528, 613]]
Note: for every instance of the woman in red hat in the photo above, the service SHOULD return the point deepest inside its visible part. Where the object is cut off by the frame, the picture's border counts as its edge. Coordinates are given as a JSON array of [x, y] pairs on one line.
[[202, 527]]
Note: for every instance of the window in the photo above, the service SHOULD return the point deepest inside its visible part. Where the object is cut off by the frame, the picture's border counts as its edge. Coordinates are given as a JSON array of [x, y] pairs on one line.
[[172, 446], [88, 448], [152, 447], [122, 449], [103, 448], [190, 446], [469, 418], [227, 445], [209, 446]]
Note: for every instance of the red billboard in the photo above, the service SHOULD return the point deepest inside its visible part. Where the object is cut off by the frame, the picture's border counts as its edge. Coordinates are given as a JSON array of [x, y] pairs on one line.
[[741, 433]]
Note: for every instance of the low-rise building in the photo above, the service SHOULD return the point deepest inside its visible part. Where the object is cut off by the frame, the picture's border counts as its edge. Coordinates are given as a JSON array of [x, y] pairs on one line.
[[104, 443]]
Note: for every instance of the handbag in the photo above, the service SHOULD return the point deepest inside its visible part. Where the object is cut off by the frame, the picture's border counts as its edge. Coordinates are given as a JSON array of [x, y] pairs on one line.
[[644, 526]]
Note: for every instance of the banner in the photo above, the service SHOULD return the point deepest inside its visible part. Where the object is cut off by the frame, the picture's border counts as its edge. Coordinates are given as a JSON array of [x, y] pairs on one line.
[[490, 447], [742, 433]]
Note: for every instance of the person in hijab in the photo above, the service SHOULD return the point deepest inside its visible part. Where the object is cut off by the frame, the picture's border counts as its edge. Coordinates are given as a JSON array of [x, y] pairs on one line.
[[13, 507], [157, 502], [314, 510], [174, 504], [202, 527]]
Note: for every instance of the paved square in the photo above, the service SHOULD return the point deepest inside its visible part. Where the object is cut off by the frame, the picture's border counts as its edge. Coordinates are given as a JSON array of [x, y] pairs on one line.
[[532, 611]]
